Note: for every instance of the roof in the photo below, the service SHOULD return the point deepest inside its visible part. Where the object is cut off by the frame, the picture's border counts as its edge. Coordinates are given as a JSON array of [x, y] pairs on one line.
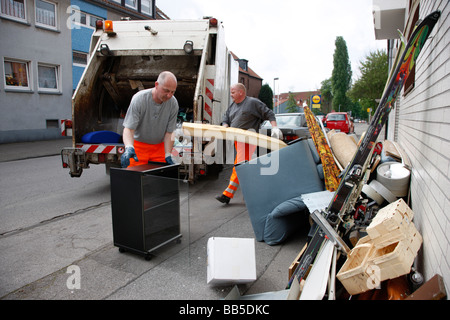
[[249, 72], [299, 96]]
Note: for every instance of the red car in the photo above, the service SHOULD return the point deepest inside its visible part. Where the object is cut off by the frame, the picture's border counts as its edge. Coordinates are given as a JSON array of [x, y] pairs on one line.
[[340, 121]]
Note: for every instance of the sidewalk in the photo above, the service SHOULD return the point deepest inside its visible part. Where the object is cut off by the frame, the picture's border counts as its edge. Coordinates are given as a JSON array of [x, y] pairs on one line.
[[35, 149]]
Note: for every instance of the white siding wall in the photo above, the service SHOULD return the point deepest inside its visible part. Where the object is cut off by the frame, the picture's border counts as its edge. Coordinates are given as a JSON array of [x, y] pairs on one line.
[[424, 132]]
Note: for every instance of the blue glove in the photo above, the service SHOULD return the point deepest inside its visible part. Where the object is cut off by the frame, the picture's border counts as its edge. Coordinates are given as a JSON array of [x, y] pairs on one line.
[[169, 159], [125, 158]]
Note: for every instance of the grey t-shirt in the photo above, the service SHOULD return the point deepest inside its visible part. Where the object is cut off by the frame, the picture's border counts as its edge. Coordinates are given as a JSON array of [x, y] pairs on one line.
[[248, 114], [151, 120]]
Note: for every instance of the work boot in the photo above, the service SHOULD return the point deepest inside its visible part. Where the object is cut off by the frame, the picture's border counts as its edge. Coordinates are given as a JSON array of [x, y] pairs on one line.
[[223, 198]]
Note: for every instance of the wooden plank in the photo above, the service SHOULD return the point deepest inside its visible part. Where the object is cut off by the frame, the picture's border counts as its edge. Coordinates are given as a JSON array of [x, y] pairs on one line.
[[200, 130], [295, 263]]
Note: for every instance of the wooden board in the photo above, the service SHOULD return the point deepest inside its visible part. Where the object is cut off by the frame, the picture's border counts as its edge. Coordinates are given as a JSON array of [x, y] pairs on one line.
[[330, 169], [317, 280], [200, 130]]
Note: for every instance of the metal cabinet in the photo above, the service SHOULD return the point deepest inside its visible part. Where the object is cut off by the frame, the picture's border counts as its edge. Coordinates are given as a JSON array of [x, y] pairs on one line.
[[145, 205]]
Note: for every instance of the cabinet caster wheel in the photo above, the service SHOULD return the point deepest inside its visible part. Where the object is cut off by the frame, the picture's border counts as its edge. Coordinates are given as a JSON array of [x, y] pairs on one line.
[[122, 250], [178, 241], [148, 257]]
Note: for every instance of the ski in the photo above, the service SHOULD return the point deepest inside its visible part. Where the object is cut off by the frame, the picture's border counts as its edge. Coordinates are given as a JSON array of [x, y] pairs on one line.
[[341, 206]]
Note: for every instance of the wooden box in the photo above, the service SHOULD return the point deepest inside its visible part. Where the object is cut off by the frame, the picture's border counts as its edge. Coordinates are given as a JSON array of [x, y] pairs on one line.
[[386, 253], [355, 275], [395, 217]]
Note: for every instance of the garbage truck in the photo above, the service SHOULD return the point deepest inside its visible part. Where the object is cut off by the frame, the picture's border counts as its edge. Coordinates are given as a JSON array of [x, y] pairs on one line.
[[127, 56]]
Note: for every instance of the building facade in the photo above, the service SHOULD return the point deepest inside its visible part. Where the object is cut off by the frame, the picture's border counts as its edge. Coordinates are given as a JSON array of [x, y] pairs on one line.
[[36, 69], [420, 123], [44, 50]]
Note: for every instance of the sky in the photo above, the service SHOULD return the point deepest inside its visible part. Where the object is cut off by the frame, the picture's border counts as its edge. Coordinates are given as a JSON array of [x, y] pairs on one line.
[[292, 40]]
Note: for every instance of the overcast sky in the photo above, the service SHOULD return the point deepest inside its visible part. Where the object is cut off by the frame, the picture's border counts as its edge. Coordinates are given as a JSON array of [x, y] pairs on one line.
[[289, 39]]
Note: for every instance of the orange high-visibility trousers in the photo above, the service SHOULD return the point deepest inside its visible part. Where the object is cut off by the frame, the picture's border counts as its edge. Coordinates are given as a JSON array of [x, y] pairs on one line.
[[148, 152], [244, 152]]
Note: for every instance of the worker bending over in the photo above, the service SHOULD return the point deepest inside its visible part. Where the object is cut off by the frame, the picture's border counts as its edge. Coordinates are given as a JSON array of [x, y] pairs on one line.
[[149, 123]]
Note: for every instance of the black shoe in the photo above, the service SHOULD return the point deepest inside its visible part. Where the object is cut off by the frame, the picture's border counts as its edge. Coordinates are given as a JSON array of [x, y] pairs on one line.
[[223, 198]]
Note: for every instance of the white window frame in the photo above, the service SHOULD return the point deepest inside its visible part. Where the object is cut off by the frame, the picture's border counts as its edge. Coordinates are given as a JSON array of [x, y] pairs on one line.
[[76, 18], [18, 10], [56, 68], [19, 88], [80, 64], [43, 14], [132, 6], [150, 8]]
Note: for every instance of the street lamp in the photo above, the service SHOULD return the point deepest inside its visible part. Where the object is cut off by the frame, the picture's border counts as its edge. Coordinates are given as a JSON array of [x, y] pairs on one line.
[[274, 99]]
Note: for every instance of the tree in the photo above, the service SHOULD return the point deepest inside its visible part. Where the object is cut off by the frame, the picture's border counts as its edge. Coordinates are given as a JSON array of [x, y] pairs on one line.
[[266, 95], [341, 75], [327, 96], [370, 86], [291, 105]]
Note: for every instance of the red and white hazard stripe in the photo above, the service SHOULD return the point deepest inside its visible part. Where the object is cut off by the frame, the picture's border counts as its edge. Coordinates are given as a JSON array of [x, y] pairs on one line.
[[66, 127], [101, 148], [209, 93]]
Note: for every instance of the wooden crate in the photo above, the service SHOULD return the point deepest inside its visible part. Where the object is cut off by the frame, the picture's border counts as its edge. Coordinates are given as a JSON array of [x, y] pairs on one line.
[[392, 260], [371, 262], [354, 274], [395, 217]]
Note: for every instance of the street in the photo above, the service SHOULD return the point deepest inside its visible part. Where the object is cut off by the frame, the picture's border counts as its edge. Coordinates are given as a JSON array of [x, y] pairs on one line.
[[51, 223]]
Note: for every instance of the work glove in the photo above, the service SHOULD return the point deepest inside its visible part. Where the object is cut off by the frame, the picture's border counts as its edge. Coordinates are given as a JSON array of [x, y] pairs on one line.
[[169, 158], [125, 158], [276, 133]]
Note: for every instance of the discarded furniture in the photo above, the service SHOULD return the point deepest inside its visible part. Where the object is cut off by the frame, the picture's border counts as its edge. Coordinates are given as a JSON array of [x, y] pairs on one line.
[[272, 186], [145, 207]]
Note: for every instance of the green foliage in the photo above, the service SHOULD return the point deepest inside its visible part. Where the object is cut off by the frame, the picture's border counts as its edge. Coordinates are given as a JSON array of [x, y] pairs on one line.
[[291, 105], [370, 86], [327, 96], [341, 76], [266, 95]]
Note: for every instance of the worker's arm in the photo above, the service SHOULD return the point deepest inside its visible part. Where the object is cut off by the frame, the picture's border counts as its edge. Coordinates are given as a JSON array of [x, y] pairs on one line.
[[276, 132], [128, 141], [128, 137], [168, 146]]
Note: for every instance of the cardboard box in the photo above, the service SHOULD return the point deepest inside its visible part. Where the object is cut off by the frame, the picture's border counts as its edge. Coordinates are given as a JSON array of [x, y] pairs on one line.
[[230, 260]]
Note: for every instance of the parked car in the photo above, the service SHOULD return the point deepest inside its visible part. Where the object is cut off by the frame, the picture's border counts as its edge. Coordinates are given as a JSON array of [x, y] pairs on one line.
[[292, 125], [339, 121]]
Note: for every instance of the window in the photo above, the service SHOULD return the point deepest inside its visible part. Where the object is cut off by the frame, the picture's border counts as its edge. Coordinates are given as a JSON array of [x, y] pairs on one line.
[[93, 20], [46, 14], [15, 9], [48, 78], [79, 58], [131, 4], [84, 19], [410, 81], [17, 75], [146, 7]]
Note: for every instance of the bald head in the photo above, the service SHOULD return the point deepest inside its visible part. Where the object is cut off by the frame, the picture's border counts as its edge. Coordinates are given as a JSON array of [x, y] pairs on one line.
[[165, 87]]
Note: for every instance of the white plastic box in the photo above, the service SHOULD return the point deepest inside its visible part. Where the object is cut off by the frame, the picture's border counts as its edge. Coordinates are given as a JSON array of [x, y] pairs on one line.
[[230, 260]]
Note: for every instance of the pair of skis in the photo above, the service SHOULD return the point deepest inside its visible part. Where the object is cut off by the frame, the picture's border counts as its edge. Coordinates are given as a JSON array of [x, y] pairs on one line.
[[349, 189]]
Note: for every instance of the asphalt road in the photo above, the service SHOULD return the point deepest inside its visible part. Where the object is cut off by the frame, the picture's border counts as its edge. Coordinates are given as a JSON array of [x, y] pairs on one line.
[[51, 224]]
